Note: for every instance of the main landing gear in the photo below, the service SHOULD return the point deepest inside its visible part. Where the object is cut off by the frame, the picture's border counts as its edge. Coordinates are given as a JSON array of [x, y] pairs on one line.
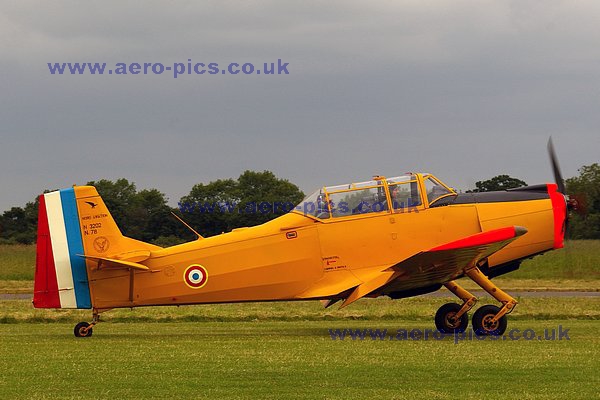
[[84, 329], [452, 317], [487, 320]]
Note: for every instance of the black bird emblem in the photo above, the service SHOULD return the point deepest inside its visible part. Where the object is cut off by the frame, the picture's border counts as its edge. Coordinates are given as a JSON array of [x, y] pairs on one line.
[[91, 203]]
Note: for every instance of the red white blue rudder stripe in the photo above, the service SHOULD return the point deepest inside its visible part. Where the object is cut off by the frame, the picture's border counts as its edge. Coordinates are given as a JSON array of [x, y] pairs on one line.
[[61, 279]]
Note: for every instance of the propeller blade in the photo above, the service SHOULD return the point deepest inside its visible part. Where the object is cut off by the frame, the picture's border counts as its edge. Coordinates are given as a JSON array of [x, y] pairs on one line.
[[560, 182]]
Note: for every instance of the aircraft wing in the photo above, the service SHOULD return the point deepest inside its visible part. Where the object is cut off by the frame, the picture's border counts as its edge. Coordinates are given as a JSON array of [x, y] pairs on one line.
[[438, 265]]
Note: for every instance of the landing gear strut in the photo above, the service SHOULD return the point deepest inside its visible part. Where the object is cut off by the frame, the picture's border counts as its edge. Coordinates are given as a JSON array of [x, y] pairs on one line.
[[453, 317], [84, 329], [489, 319]]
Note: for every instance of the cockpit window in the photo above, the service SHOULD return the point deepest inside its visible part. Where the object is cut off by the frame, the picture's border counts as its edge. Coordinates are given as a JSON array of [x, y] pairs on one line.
[[435, 190], [343, 200], [371, 197], [314, 205], [358, 200], [404, 193]]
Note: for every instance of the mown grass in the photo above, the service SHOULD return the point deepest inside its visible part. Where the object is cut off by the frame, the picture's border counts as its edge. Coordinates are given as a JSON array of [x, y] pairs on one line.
[[579, 259], [16, 287], [17, 262], [291, 360], [413, 309], [285, 351]]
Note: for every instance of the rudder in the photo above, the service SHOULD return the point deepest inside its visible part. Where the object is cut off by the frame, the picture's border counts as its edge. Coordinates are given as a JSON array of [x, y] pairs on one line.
[[61, 279]]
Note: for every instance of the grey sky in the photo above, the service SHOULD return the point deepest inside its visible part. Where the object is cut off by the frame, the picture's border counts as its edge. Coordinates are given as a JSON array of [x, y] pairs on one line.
[[463, 89]]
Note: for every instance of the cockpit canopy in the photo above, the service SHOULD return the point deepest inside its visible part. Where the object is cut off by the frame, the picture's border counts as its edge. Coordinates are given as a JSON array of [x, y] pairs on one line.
[[391, 195]]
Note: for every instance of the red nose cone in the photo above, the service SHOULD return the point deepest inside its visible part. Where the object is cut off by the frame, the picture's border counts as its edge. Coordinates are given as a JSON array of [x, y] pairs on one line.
[[559, 208]]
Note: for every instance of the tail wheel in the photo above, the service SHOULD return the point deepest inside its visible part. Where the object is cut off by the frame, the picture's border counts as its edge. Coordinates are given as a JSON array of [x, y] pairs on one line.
[[446, 321], [83, 329], [483, 323]]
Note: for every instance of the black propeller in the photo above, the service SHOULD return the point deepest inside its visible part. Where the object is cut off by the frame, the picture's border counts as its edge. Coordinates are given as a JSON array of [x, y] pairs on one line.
[[560, 182], [575, 202]]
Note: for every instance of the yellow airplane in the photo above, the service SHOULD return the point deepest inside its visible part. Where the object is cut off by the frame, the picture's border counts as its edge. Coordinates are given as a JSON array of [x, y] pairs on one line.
[[398, 237]]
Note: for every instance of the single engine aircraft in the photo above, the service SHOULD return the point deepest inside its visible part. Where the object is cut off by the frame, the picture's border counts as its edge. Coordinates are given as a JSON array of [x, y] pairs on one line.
[[399, 237]]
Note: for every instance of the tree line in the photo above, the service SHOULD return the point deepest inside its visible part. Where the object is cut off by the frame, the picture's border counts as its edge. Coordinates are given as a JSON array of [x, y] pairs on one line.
[[145, 214]]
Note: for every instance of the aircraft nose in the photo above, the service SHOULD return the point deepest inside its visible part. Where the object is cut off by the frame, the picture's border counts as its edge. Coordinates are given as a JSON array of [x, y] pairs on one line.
[[560, 213]]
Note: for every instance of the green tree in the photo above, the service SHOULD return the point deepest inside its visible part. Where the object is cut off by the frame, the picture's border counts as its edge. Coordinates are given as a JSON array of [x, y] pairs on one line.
[[145, 214], [499, 182], [19, 225], [585, 188], [118, 197], [263, 197], [142, 215], [201, 208], [151, 216], [225, 204]]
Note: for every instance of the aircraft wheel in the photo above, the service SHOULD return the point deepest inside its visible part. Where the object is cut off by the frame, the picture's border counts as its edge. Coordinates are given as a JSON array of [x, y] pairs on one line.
[[83, 329], [446, 322], [482, 321]]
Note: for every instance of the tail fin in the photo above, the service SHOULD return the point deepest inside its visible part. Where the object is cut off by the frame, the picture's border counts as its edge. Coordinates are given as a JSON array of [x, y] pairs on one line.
[[74, 223]]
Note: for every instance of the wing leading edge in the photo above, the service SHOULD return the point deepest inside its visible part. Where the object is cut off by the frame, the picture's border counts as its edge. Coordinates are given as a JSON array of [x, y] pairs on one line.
[[438, 265]]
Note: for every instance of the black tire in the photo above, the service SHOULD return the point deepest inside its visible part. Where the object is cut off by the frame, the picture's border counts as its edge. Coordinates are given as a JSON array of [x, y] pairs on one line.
[[482, 325], [444, 321], [80, 330]]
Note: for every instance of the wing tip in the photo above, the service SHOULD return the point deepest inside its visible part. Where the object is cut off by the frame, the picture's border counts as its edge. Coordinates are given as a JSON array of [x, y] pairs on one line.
[[520, 231]]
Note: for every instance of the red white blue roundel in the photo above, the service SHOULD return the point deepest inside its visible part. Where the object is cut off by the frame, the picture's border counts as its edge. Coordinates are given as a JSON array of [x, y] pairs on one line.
[[195, 276]]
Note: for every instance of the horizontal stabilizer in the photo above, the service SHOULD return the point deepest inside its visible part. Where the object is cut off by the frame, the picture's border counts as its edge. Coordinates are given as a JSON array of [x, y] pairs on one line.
[[113, 263], [135, 256]]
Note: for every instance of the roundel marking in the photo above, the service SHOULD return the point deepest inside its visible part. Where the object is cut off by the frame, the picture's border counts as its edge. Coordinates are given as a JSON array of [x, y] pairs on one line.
[[195, 276]]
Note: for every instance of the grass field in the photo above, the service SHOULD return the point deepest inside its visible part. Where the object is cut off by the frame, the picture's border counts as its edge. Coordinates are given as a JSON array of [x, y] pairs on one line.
[[578, 259], [381, 309], [17, 262], [285, 350], [278, 356]]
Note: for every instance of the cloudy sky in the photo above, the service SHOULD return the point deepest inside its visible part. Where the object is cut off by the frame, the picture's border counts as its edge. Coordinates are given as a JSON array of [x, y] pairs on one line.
[[463, 89]]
